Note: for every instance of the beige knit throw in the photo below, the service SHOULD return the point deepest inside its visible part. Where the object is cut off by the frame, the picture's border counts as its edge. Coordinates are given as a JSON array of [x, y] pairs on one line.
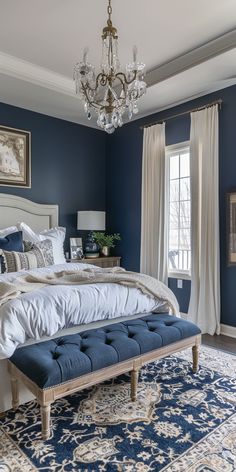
[[146, 284]]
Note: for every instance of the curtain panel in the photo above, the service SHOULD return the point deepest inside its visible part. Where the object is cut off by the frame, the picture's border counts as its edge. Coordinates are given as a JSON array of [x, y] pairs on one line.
[[204, 307], [154, 231]]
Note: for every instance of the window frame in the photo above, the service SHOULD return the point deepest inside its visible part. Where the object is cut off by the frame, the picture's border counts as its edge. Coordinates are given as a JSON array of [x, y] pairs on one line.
[[177, 148]]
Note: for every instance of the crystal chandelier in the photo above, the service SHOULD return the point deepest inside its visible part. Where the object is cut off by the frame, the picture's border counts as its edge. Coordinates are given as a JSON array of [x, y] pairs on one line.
[[112, 92]]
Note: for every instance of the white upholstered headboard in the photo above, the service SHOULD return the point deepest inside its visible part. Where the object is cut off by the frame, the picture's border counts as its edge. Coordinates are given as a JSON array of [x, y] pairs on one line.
[[15, 209]]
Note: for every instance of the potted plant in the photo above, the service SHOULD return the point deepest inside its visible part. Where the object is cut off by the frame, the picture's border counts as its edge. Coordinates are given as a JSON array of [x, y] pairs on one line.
[[106, 241]]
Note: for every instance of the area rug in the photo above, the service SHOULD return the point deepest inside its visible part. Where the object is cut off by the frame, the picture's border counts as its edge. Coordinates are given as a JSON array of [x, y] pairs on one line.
[[180, 422]]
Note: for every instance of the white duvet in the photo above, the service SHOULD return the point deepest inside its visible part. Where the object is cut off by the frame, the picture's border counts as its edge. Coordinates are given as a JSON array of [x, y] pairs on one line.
[[47, 310]]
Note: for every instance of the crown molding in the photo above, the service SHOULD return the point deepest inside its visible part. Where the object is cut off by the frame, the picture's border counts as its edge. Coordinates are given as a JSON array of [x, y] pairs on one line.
[[29, 72], [63, 103], [14, 67]]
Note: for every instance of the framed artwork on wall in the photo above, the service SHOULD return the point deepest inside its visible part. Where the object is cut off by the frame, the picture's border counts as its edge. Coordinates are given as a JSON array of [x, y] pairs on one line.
[[15, 157], [231, 215]]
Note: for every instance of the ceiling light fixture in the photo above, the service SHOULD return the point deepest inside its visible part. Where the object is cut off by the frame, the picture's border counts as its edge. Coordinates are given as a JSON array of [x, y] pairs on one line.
[[112, 92]]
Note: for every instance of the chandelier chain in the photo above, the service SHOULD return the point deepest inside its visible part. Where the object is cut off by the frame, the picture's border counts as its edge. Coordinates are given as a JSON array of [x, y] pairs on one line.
[[109, 11]]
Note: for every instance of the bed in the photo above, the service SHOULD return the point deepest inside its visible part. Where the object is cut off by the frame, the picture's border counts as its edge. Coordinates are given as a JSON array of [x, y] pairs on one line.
[[13, 209], [39, 217]]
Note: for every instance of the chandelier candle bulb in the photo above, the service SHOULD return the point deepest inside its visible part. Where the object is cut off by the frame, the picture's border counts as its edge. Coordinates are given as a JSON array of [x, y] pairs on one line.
[[111, 93], [86, 50], [135, 54]]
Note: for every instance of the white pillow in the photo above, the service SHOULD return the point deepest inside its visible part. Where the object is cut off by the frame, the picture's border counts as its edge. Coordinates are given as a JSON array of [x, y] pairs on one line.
[[56, 235], [5, 231]]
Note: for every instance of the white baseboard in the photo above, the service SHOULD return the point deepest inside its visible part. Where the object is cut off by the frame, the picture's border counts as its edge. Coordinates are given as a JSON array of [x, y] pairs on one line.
[[228, 330]]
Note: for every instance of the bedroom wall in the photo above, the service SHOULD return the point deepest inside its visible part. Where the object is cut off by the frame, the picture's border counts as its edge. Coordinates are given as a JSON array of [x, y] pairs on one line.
[[124, 168], [68, 164]]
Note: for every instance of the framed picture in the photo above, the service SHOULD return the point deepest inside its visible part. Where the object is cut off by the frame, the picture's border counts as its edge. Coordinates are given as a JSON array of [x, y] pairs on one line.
[[76, 248], [15, 157], [231, 215]]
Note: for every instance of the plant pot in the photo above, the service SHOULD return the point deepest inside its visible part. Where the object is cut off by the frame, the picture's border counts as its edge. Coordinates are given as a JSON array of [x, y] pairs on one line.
[[105, 251]]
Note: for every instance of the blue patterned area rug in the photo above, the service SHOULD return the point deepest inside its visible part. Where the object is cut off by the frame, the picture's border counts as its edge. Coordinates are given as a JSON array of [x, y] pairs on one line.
[[180, 422]]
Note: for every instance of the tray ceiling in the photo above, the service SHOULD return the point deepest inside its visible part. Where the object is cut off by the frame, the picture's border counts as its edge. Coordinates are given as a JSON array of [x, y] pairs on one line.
[[189, 48]]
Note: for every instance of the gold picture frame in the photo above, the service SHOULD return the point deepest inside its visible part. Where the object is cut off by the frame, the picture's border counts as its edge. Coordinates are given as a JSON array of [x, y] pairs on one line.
[[15, 157], [231, 227]]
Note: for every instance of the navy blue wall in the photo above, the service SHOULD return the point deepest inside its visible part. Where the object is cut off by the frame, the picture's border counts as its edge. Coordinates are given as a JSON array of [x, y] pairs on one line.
[[124, 173], [68, 164]]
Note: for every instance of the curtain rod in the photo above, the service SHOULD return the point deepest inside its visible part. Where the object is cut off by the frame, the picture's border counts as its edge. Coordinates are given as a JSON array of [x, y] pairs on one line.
[[216, 102]]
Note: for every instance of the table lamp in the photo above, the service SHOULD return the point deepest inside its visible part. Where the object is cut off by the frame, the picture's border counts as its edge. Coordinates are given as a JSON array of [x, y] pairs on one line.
[[91, 221]]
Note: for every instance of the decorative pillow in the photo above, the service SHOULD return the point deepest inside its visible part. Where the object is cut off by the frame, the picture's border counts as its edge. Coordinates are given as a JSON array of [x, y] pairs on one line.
[[11, 242], [5, 231], [56, 235], [38, 255]]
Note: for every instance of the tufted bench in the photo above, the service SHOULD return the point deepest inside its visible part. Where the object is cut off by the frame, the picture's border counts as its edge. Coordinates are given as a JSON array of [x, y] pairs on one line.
[[62, 366]]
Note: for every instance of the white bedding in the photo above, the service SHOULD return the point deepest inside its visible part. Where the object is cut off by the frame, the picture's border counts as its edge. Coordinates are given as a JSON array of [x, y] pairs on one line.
[[46, 311]]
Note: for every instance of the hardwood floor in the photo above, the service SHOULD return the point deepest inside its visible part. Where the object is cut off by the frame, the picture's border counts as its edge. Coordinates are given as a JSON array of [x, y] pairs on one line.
[[224, 343]]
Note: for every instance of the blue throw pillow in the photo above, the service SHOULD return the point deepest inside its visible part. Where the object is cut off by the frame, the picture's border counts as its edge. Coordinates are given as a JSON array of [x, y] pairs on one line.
[[11, 242]]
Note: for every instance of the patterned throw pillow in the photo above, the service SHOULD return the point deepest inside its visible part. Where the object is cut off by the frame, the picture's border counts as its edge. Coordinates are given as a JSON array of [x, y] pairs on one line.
[[56, 235], [10, 242], [36, 255]]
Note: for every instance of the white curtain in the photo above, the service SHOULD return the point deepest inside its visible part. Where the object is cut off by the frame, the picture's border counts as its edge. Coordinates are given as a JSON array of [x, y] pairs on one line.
[[204, 308], [154, 237]]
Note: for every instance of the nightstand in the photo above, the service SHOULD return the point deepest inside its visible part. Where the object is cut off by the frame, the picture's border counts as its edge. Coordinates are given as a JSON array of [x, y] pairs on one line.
[[104, 262]]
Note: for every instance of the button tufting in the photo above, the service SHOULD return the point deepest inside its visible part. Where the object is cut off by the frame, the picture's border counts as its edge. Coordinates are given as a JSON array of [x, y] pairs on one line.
[[55, 355], [93, 345]]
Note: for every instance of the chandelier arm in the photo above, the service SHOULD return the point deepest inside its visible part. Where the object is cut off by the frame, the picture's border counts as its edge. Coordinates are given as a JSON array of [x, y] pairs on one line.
[[134, 93], [103, 80], [122, 100], [121, 81], [126, 81], [90, 102], [100, 77]]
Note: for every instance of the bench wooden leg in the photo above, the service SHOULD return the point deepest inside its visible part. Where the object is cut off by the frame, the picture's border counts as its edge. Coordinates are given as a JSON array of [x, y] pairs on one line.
[[15, 393], [45, 418], [195, 350], [134, 384]]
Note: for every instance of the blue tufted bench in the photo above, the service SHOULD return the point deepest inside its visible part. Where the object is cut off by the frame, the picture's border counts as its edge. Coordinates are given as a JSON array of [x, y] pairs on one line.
[[62, 366]]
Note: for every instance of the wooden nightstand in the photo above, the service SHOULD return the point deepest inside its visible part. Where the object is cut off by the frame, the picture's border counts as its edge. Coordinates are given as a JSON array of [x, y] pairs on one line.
[[104, 262]]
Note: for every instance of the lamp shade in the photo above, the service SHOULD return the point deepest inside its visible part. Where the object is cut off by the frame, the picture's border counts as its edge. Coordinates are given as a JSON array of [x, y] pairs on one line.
[[91, 220]]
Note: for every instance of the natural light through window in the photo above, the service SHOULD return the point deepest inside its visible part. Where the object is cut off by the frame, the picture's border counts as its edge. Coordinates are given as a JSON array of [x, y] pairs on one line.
[[179, 260]]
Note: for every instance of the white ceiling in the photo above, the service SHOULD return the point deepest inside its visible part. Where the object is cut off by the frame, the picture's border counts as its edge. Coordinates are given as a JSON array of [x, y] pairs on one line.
[[51, 34]]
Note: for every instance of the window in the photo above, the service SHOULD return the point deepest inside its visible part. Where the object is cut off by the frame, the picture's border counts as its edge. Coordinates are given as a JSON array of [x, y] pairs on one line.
[[179, 254]]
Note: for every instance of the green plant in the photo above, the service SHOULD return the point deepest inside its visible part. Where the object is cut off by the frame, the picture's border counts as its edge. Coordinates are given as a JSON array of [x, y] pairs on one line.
[[108, 240]]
